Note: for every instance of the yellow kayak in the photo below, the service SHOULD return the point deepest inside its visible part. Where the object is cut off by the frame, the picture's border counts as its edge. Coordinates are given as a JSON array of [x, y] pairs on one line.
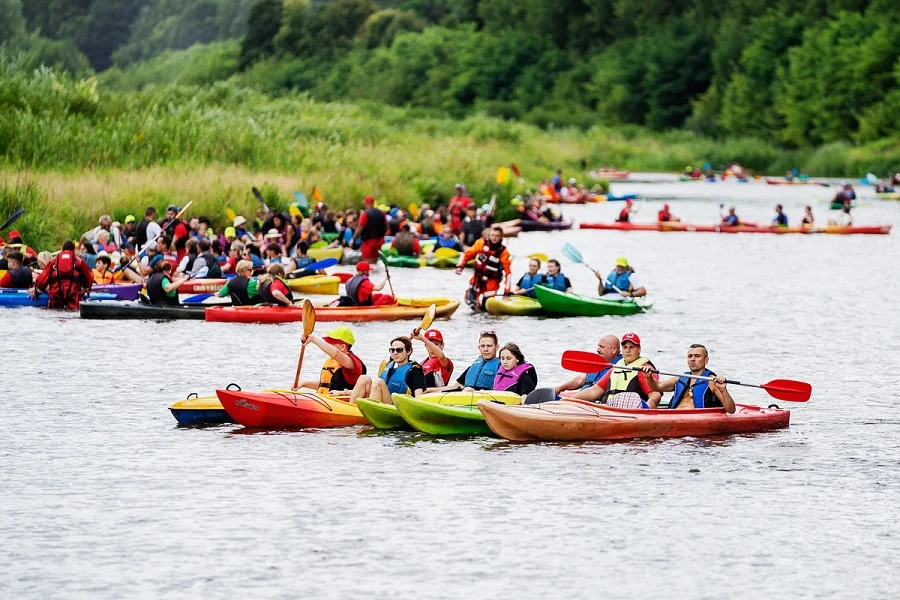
[[315, 284], [323, 253], [426, 302]]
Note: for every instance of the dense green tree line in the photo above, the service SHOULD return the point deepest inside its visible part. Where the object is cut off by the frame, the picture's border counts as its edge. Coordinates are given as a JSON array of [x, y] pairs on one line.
[[801, 72]]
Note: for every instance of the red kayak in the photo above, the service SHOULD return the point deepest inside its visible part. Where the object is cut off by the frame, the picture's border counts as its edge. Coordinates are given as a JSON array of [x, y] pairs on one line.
[[350, 314], [776, 181], [674, 226], [288, 409], [572, 420]]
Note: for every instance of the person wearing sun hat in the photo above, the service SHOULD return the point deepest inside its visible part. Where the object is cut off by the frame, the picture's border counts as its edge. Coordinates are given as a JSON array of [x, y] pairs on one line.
[[343, 368], [625, 388], [240, 229], [621, 277], [438, 368]]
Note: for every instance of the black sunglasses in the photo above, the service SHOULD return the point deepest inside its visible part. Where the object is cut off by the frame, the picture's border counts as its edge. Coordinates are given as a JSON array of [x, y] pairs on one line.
[[397, 350]]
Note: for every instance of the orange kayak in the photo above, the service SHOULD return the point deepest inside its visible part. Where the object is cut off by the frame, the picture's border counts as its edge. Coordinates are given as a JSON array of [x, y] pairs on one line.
[[350, 314], [571, 420], [277, 410]]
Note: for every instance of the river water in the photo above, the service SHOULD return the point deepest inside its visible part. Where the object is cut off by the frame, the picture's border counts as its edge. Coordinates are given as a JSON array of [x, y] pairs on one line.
[[103, 496]]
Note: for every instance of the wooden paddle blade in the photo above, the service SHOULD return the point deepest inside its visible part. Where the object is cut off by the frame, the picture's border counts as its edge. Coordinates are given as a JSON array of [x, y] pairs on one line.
[[788, 390], [309, 317], [583, 362], [428, 319]]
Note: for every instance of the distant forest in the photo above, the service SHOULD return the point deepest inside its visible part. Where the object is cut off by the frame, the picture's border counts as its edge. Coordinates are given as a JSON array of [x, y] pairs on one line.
[[799, 73]]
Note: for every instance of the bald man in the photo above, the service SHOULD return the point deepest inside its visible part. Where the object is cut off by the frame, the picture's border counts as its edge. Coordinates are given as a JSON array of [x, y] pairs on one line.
[[608, 348]]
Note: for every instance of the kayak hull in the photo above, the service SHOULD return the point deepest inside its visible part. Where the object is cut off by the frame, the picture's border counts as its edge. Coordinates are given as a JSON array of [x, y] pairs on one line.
[[322, 253], [195, 410], [287, 410], [527, 225], [380, 415], [454, 413], [315, 284], [672, 226], [122, 291], [117, 309], [563, 303], [17, 297], [513, 305], [350, 314], [577, 420]]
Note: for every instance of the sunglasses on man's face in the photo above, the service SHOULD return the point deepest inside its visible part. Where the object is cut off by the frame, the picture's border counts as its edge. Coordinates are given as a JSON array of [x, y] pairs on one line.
[[397, 350]]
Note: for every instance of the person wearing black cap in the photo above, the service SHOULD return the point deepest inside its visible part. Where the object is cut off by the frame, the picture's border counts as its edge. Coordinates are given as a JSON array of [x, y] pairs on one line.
[[632, 386]]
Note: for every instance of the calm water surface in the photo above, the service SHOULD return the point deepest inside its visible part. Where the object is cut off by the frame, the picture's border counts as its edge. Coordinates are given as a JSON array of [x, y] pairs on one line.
[[103, 496]]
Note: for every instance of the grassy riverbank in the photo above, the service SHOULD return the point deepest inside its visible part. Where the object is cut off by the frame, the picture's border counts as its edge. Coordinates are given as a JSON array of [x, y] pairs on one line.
[[70, 151]]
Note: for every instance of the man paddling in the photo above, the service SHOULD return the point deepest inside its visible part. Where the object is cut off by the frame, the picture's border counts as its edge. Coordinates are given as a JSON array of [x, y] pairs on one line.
[[343, 368], [360, 291], [621, 283], [633, 386], [693, 393]]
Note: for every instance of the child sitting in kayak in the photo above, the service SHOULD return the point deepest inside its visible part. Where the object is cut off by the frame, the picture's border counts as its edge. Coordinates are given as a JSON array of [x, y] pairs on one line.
[[514, 375]]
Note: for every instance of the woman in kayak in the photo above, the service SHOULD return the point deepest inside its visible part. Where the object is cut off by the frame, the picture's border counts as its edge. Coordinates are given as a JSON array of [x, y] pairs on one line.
[[554, 279], [525, 286], [480, 374], [161, 288], [808, 219], [438, 368], [343, 369], [273, 289], [399, 376], [242, 289], [514, 375]]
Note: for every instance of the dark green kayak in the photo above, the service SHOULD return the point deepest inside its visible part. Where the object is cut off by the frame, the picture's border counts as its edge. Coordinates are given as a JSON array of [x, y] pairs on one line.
[[564, 303]]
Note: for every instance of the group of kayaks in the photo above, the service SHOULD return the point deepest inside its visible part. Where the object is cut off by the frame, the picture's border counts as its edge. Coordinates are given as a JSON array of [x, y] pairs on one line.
[[18, 297], [499, 414], [552, 302]]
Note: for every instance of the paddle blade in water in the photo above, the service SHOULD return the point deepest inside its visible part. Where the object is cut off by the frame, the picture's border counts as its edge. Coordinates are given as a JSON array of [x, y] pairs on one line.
[[309, 317], [788, 390], [583, 362], [572, 253]]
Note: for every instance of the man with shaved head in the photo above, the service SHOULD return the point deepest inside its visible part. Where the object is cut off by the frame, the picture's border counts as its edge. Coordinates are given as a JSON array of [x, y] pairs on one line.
[[607, 348], [694, 393]]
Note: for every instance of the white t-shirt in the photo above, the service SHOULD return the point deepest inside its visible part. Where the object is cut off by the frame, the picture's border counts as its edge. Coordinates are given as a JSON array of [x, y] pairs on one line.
[[153, 230]]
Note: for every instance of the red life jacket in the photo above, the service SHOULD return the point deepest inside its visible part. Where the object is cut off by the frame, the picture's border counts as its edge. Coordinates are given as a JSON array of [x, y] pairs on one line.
[[65, 266]]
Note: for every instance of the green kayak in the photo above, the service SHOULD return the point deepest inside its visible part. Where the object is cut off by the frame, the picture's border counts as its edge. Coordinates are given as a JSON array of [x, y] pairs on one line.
[[380, 415], [563, 303], [455, 413], [442, 262]]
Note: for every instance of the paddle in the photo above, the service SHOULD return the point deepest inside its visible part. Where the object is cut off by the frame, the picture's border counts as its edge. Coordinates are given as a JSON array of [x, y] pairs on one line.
[[574, 255], [870, 177], [516, 172], [230, 214], [387, 271], [413, 210], [13, 218], [502, 175], [259, 197], [427, 320], [155, 237], [325, 263], [294, 211], [781, 389], [309, 324], [539, 256]]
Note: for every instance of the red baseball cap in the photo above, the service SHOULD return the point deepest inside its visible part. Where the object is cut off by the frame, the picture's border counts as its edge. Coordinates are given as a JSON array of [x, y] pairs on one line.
[[14, 234], [363, 267], [369, 200], [631, 337], [434, 335]]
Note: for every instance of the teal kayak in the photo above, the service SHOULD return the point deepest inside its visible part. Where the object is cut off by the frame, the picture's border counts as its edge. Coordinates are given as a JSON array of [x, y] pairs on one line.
[[566, 303]]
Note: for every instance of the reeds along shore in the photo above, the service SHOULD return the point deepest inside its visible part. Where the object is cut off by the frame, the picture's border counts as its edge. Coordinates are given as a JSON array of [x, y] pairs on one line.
[[71, 150]]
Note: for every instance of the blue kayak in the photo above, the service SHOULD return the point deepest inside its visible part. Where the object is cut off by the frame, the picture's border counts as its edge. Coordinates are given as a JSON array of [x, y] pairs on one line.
[[11, 297]]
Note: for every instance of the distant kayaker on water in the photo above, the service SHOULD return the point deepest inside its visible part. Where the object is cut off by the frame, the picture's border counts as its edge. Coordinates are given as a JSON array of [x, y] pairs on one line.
[[438, 368], [554, 278], [625, 213], [242, 289], [632, 385], [400, 375], [343, 368], [808, 219], [360, 291], [162, 286], [780, 219], [731, 219], [457, 208], [525, 286], [693, 393], [273, 289], [664, 216], [371, 230], [622, 277]]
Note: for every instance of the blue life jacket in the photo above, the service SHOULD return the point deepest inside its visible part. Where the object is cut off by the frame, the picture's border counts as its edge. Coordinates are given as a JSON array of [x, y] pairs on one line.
[[556, 282], [395, 377], [700, 390], [528, 282], [592, 378], [481, 374], [347, 235], [443, 242], [623, 281]]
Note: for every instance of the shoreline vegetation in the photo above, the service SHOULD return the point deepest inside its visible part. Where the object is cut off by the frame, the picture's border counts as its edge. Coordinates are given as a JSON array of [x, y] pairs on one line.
[[73, 150]]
